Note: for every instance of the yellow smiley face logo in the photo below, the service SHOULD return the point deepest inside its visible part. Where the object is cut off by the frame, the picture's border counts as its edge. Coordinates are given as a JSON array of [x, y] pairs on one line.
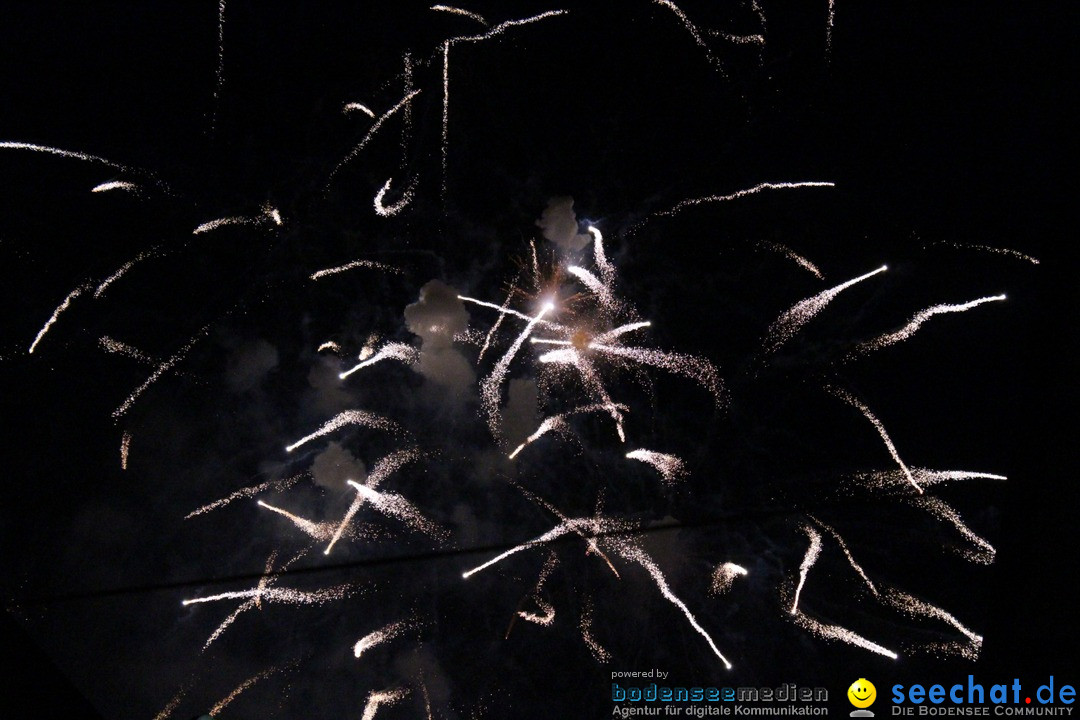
[[862, 693]]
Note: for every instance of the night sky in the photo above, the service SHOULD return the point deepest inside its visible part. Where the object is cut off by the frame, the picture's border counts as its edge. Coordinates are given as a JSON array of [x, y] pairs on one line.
[[941, 126]]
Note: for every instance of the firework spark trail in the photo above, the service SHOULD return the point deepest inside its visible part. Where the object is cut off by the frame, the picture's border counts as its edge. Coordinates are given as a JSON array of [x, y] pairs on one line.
[[811, 556], [596, 287], [253, 220], [383, 469], [111, 345], [318, 531], [510, 311], [385, 697], [635, 554], [171, 706], [56, 313], [558, 422], [549, 610], [837, 632], [694, 33], [829, 28], [247, 492], [458, 11], [491, 386], [985, 552], [498, 321], [598, 651], [802, 312], [680, 206], [288, 596], [122, 270], [695, 368], [794, 257], [724, 576], [606, 337], [329, 345], [163, 368], [916, 322], [220, 76], [585, 528], [493, 32], [847, 553], [854, 402], [996, 250], [370, 134], [115, 185], [605, 268], [394, 208], [319, 274], [567, 526], [670, 467], [755, 39], [349, 107], [15, 145], [589, 376], [125, 448], [914, 606], [397, 506], [390, 351], [362, 418], [382, 635], [896, 479], [224, 702]]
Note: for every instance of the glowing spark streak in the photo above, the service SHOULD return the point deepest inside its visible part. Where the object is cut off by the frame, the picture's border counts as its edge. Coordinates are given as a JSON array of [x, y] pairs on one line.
[[621, 330], [724, 576], [122, 270], [318, 531], [602, 292], [639, 556], [829, 27], [329, 345], [794, 257], [11, 145], [284, 595], [802, 312], [997, 251], [511, 311], [349, 417], [445, 114], [739, 39], [840, 633], [393, 351], [214, 711], [383, 469], [111, 345], [114, 185], [56, 313], [386, 697], [397, 506], [504, 26], [692, 29], [491, 385], [495, 327], [916, 322], [463, 13], [606, 269], [812, 553], [161, 370], [394, 208], [381, 636], [125, 447], [172, 705], [220, 68], [847, 554], [943, 511], [222, 222], [670, 467], [559, 530], [585, 528], [595, 647], [679, 207], [349, 107], [558, 422], [570, 356], [371, 133], [853, 401], [247, 492], [546, 619], [354, 264], [688, 366], [910, 604]]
